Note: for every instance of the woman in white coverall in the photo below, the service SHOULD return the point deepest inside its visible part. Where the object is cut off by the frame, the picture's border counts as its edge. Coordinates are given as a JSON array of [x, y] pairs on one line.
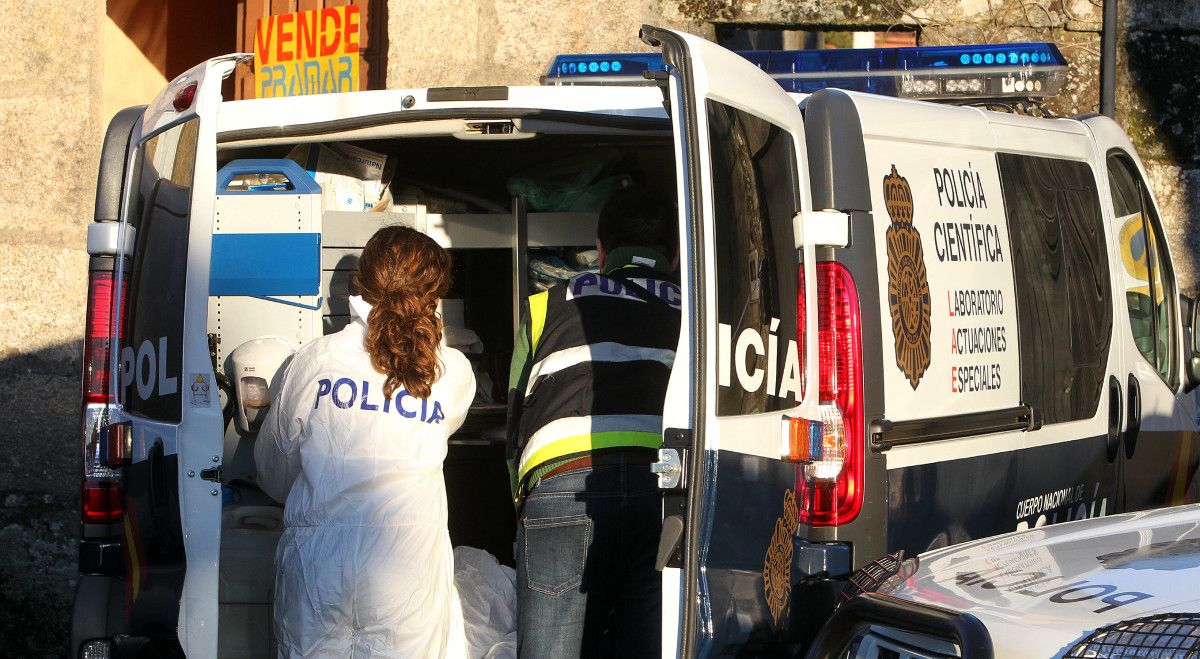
[[354, 446]]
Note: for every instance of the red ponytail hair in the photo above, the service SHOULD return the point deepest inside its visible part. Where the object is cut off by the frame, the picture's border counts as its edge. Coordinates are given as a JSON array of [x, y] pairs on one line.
[[402, 274]]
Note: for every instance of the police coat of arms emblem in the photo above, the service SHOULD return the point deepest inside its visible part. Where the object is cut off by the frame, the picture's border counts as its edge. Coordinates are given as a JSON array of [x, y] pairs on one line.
[[908, 285], [777, 564]]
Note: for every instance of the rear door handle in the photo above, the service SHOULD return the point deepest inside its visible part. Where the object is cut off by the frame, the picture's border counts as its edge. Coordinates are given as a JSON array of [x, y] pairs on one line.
[[156, 496], [1134, 415], [669, 540], [1115, 408]]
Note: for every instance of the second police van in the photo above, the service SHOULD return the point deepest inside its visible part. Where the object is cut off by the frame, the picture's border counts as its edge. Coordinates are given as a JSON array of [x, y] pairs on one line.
[[906, 324]]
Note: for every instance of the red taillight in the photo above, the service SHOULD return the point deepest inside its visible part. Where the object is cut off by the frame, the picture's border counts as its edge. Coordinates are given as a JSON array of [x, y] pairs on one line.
[[103, 502], [103, 324], [830, 489], [184, 97], [104, 443]]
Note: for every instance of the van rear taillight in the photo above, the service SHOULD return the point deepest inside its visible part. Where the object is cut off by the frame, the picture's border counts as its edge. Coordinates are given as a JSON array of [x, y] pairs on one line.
[[184, 97], [105, 453], [830, 488], [103, 325], [103, 500], [105, 444]]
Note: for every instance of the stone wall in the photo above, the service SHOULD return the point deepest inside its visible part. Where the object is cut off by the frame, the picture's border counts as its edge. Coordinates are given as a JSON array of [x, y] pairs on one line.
[[511, 42], [1158, 86], [50, 129]]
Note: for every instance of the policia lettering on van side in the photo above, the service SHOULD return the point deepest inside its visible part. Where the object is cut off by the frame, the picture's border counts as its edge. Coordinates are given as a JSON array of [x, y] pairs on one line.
[[904, 324]]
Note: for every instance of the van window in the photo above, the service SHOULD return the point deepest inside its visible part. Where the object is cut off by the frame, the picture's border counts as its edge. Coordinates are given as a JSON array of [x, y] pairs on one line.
[[152, 348], [755, 195], [1060, 268], [1145, 268]]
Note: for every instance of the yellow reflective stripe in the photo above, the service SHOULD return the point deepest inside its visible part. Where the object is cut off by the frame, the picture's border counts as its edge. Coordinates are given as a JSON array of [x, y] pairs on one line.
[[537, 318], [135, 561], [590, 442], [1183, 459]]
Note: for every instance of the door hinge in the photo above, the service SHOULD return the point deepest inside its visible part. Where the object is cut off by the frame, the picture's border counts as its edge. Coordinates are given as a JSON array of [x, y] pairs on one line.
[[213, 474]]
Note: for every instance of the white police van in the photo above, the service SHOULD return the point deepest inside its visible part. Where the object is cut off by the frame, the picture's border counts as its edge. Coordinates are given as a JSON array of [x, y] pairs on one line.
[[907, 324]]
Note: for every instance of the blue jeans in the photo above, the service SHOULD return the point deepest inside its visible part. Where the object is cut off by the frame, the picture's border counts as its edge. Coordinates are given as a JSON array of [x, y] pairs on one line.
[[586, 583]]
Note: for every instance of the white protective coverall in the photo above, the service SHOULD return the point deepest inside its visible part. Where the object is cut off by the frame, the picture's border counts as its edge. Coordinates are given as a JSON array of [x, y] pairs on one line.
[[364, 566]]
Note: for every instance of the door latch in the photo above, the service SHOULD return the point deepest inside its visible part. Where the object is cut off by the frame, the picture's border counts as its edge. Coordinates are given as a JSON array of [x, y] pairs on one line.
[[669, 469], [213, 474]]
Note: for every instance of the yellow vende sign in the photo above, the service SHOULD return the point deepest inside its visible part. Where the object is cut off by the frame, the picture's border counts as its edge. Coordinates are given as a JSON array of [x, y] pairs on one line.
[[311, 52]]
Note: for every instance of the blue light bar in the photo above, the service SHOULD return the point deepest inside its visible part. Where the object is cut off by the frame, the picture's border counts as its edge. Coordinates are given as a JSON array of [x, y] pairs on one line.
[[598, 68], [884, 70], [987, 71]]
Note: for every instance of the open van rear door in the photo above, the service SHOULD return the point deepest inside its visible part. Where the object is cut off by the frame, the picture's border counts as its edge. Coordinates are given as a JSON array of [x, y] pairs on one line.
[[738, 387], [164, 376]]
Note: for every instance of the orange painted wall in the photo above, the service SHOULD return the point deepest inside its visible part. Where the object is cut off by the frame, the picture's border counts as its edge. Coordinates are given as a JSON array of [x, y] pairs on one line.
[[176, 35]]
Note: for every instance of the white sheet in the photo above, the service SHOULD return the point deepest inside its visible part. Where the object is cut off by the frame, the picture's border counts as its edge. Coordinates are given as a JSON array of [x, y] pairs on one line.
[[488, 592]]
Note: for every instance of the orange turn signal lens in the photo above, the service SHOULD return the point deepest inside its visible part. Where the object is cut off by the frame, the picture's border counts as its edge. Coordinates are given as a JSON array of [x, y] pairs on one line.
[[804, 439]]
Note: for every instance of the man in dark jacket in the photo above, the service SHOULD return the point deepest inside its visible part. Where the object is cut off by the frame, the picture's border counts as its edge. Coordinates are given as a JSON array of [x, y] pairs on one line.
[[589, 376]]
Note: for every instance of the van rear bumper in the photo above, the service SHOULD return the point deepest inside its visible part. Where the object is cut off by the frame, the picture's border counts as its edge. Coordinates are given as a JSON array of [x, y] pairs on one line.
[[99, 609], [822, 570]]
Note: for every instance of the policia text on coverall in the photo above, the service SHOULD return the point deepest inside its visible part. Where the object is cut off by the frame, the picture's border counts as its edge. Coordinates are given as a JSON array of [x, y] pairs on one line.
[[588, 379]]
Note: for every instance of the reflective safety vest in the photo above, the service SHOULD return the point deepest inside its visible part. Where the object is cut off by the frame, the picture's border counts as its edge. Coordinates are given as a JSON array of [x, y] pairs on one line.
[[590, 367]]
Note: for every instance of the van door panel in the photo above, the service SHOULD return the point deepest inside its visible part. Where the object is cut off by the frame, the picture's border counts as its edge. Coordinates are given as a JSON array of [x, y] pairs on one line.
[[739, 146], [150, 365], [168, 392], [153, 538]]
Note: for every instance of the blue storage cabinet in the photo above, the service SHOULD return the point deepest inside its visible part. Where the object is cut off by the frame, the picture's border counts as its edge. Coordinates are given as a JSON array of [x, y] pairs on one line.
[[265, 274]]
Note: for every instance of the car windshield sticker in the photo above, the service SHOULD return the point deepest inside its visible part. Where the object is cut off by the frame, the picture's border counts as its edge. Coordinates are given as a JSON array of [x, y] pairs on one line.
[[908, 285]]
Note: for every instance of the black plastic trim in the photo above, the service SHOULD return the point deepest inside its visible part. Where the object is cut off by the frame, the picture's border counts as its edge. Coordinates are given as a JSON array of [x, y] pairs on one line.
[[101, 262], [436, 94], [886, 434], [101, 556], [837, 160], [94, 531], [852, 618], [408, 116], [114, 153], [163, 646], [96, 612]]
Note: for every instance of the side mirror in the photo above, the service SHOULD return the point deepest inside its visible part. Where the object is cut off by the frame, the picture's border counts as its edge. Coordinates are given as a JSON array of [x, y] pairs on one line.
[[1191, 312]]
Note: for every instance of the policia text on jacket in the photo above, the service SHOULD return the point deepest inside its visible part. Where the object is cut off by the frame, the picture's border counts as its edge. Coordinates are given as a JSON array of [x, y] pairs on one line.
[[900, 319]]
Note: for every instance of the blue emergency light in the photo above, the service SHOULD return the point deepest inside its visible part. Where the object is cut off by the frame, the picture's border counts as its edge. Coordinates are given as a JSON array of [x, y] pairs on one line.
[[971, 72], [616, 68]]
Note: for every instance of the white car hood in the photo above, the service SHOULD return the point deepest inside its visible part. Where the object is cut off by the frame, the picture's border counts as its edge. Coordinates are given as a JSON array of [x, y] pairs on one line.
[[1041, 591]]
